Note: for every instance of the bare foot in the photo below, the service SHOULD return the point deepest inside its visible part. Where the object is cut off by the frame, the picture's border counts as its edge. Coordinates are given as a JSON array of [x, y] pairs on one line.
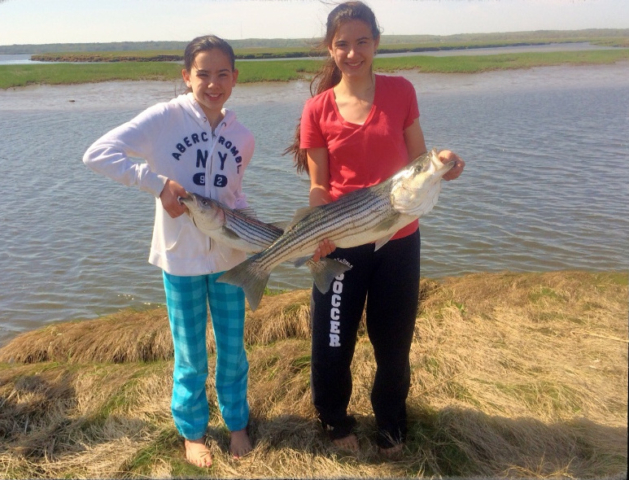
[[349, 443], [197, 453], [392, 452], [239, 443]]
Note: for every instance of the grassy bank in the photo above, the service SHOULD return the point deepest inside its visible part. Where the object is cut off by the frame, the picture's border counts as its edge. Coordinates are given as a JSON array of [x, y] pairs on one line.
[[292, 52], [308, 47], [520, 375], [264, 46], [286, 70]]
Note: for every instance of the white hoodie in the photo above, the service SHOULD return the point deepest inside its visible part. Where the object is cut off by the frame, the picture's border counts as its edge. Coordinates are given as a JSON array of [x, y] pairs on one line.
[[176, 141]]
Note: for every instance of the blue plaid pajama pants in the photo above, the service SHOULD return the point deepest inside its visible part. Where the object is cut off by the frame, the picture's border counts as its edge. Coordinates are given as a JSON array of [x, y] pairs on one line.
[[187, 299]]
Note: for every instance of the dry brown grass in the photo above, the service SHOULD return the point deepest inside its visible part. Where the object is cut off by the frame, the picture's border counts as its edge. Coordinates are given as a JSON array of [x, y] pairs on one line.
[[144, 336], [127, 336], [518, 375]]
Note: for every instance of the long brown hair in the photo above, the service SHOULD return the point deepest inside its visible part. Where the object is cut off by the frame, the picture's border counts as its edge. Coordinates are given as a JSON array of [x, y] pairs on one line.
[[330, 75]]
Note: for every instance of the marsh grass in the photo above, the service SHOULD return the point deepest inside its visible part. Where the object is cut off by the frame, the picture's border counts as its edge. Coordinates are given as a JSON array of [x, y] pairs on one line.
[[296, 48], [510, 61], [288, 70], [518, 375], [70, 73]]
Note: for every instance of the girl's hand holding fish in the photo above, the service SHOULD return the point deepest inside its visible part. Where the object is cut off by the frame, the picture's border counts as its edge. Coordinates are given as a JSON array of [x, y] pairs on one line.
[[325, 248], [170, 198], [446, 156]]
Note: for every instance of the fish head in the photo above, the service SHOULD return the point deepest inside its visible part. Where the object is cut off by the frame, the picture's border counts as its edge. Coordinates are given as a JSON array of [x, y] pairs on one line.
[[415, 189], [207, 214], [427, 167]]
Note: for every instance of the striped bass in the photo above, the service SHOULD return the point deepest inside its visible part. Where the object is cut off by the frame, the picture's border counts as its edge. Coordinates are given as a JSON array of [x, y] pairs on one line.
[[239, 229], [371, 214]]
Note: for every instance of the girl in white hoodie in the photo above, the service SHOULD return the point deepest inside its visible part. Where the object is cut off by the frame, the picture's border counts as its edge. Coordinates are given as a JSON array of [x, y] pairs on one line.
[[193, 144]]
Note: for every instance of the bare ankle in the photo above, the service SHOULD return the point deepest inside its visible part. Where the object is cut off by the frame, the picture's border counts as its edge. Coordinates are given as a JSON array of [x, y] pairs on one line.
[[197, 453], [393, 451], [348, 443], [239, 443]]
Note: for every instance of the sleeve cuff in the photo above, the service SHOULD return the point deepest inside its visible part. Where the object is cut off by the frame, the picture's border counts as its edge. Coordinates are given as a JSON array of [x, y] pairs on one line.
[[156, 184]]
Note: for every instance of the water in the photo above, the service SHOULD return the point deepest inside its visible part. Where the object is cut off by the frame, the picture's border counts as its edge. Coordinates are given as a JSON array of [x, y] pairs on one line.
[[18, 59], [545, 186]]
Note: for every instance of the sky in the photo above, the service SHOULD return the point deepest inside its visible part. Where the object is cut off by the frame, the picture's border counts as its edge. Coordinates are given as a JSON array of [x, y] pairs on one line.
[[87, 21]]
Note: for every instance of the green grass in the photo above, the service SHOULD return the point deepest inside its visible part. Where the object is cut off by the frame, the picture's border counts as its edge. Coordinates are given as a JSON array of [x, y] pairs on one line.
[[297, 48], [276, 71], [483, 63], [288, 70], [167, 446], [68, 74], [545, 293], [170, 55]]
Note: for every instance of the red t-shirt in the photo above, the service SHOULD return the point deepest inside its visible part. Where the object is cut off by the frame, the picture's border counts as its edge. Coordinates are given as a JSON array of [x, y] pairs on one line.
[[363, 155]]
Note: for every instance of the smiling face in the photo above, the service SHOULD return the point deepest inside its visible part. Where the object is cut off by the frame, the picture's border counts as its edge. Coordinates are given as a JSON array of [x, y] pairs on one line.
[[211, 79], [353, 48]]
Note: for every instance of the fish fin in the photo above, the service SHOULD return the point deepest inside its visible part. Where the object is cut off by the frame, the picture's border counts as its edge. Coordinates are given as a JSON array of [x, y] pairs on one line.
[[230, 233], [302, 261], [387, 224], [324, 271], [300, 214], [221, 252], [382, 241], [281, 225], [251, 279], [247, 212]]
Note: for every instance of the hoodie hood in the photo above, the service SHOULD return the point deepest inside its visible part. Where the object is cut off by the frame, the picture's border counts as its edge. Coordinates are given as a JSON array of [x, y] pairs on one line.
[[192, 108]]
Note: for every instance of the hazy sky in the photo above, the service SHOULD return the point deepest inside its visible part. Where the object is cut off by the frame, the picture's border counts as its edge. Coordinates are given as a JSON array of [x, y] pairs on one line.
[[78, 21]]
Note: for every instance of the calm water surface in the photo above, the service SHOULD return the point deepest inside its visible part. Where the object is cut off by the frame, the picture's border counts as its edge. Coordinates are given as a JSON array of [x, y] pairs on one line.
[[17, 59], [545, 186]]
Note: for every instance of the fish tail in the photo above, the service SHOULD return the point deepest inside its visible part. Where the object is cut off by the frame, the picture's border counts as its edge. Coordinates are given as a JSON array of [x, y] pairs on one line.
[[248, 276], [325, 270]]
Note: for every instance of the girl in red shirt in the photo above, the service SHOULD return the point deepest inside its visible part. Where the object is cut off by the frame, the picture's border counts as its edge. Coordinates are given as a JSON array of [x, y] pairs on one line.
[[358, 130]]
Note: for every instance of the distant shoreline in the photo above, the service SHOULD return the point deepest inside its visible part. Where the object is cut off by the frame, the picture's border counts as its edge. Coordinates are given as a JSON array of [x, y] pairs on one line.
[[20, 75], [293, 54], [264, 47]]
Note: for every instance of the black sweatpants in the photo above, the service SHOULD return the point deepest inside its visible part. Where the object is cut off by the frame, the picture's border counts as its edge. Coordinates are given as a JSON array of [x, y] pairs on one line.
[[389, 281]]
